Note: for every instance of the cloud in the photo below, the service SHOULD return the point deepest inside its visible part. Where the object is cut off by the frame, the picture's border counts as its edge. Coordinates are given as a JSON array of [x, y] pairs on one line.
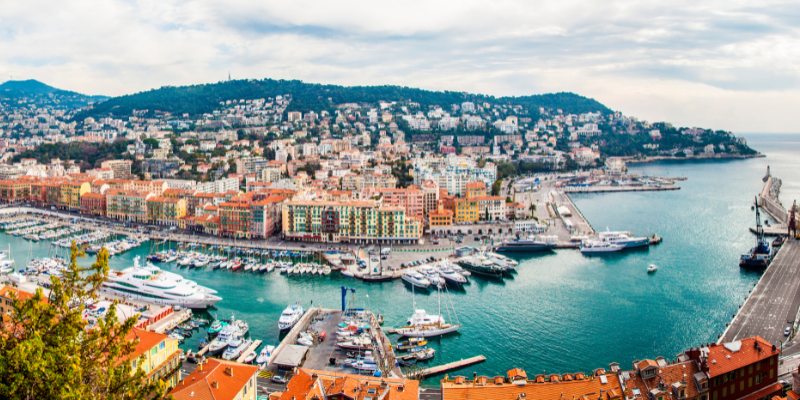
[[653, 59]]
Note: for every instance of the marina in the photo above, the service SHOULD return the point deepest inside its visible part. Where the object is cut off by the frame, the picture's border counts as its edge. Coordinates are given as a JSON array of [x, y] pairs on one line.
[[502, 315]]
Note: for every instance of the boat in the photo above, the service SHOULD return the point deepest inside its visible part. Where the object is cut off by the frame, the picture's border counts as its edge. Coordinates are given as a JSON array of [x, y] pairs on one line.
[[778, 242], [416, 279], [432, 275], [290, 316], [652, 268], [230, 334], [524, 245], [424, 325], [759, 256], [265, 355], [356, 343], [248, 359], [600, 247], [451, 277], [626, 239], [411, 343], [481, 266], [236, 348], [216, 326], [150, 284]]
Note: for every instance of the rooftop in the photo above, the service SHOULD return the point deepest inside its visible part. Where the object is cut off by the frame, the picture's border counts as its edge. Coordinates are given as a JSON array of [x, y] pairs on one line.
[[214, 379]]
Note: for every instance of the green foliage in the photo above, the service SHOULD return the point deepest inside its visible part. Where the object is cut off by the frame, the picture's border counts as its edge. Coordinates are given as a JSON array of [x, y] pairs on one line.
[[198, 99], [89, 155], [401, 169], [47, 352], [496, 186]]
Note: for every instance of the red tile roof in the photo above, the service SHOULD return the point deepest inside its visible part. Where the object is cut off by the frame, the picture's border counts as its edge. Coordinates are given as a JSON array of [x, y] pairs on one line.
[[214, 380], [722, 359]]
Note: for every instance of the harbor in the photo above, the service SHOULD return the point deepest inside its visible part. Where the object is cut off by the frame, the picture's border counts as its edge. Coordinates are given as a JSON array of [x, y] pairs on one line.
[[553, 294]]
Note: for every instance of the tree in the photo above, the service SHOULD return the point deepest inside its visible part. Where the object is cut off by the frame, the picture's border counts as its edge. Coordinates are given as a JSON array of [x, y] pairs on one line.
[[48, 352], [496, 186]]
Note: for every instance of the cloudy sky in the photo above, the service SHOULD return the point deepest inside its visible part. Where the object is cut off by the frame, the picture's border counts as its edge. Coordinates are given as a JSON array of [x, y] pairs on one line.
[[725, 64]]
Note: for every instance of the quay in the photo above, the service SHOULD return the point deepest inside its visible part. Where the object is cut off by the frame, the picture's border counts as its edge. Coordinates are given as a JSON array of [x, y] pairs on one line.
[[774, 303], [620, 188], [171, 321], [458, 364], [253, 346]]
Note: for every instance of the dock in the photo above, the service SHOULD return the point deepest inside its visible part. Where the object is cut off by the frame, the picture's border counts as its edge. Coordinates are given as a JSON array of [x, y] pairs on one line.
[[253, 346], [773, 303], [171, 321], [447, 367]]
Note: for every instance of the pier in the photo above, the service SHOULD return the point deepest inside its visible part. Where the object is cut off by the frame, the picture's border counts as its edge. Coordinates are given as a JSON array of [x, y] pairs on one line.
[[171, 321], [253, 346], [447, 367], [774, 302]]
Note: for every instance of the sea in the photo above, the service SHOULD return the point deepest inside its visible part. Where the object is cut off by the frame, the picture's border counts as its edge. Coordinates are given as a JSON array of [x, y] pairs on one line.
[[562, 312]]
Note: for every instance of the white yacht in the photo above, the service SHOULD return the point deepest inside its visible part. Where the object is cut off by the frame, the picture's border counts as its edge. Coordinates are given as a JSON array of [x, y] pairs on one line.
[[6, 263], [229, 335], [422, 324], [290, 316], [451, 276], [626, 239], [236, 348], [416, 279], [150, 284], [599, 247], [265, 355]]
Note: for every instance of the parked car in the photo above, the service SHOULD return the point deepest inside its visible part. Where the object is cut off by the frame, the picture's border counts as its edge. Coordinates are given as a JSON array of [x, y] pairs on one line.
[[279, 379]]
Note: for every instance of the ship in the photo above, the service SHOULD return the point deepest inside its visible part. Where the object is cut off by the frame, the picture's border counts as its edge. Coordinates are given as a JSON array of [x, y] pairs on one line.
[[626, 239], [759, 256], [524, 245], [150, 284]]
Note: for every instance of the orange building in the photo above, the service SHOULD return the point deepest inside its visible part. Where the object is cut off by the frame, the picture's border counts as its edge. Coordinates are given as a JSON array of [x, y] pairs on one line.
[[329, 385], [93, 204], [516, 385], [218, 380]]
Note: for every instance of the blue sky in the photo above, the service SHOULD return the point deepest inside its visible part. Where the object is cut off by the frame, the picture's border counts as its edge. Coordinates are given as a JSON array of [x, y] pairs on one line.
[[720, 64]]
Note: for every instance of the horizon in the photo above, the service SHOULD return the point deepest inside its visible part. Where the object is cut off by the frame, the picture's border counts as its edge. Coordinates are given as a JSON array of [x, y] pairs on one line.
[[710, 63]]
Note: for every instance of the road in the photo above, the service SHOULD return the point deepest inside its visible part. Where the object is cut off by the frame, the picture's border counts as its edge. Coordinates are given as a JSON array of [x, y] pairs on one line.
[[773, 305]]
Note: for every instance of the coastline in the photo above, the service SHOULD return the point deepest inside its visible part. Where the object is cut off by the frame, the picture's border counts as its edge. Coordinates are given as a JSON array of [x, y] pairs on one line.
[[715, 157]]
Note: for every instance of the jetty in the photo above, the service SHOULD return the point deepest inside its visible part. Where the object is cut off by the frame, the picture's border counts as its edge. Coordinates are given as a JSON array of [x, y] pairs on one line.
[[458, 364], [171, 321], [253, 346]]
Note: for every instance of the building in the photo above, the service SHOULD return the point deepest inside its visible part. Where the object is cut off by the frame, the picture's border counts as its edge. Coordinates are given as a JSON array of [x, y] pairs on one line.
[[410, 198], [234, 219], [365, 221], [219, 380], [7, 296], [516, 385], [744, 369], [467, 210], [121, 169], [14, 190], [165, 210], [93, 204], [128, 206], [491, 208], [157, 355], [70, 194], [440, 217], [329, 385]]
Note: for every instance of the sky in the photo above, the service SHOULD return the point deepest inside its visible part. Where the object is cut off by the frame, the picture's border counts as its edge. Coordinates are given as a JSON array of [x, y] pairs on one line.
[[724, 64]]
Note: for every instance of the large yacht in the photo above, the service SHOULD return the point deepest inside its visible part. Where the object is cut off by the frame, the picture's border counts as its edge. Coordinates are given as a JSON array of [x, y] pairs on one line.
[[422, 324], [290, 316], [525, 245], [626, 239], [150, 284]]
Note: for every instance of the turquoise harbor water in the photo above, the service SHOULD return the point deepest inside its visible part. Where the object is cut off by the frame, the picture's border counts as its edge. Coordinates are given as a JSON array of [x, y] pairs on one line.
[[564, 312]]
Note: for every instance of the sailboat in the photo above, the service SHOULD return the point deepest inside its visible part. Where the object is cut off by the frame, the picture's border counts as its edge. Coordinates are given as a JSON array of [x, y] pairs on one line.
[[422, 324]]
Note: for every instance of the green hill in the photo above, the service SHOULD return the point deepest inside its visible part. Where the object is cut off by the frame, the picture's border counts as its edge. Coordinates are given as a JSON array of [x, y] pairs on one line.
[[198, 99]]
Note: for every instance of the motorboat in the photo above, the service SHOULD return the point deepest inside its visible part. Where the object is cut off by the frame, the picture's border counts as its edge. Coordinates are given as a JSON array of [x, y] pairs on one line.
[[290, 316], [432, 275], [600, 247], [480, 266], [236, 348], [416, 279], [216, 326], [626, 239], [150, 284], [265, 355], [525, 245], [356, 343], [248, 359], [451, 277], [652, 268]]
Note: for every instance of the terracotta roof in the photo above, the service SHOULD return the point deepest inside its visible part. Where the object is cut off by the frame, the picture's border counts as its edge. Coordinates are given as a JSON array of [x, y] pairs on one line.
[[722, 358], [476, 185], [681, 373], [215, 379], [6, 291], [92, 195], [147, 340], [499, 388], [309, 384]]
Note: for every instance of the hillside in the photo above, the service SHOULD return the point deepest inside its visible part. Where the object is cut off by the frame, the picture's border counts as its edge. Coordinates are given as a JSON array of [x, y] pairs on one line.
[[198, 99], [22, 93]]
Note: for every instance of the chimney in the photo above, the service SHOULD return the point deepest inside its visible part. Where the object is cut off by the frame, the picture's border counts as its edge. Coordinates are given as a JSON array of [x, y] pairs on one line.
[[215, 384], [229, 371]]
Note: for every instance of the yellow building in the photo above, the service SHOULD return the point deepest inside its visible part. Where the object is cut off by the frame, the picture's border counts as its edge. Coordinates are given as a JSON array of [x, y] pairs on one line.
[[467, 210], [366, 221], [157, 355], [70, 194], [475, 189], [440, 217], [165, 210]]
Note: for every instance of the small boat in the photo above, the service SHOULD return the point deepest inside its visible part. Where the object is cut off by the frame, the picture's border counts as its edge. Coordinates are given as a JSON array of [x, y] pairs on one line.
[[216, 326], [778, 242], [250, 357], [599, 247], [652, 268], [265, 355]]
